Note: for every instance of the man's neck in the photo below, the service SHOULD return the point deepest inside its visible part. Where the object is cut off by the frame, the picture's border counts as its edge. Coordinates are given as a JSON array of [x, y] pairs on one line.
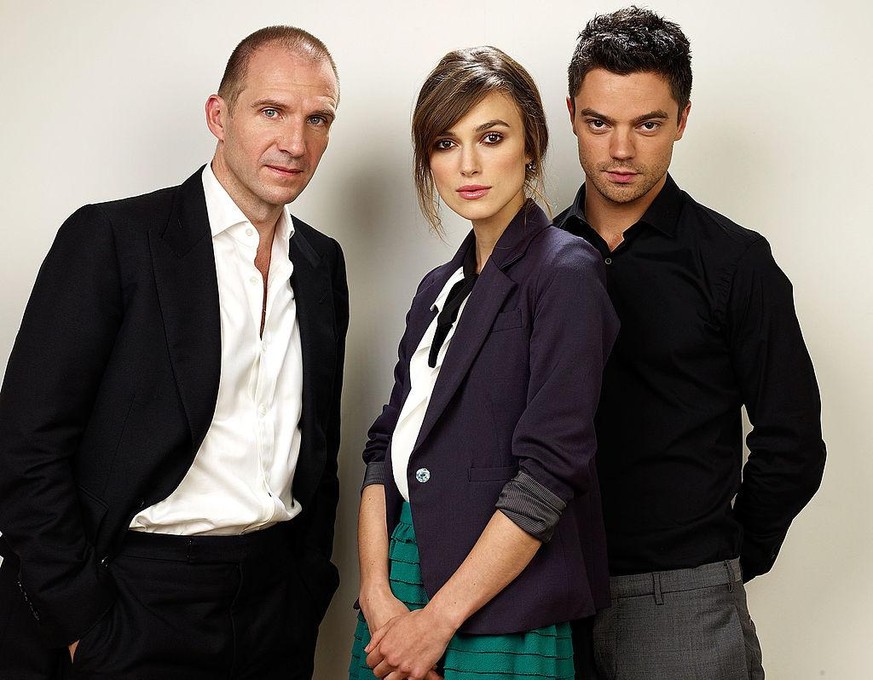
[[611, 219], [263, 216]]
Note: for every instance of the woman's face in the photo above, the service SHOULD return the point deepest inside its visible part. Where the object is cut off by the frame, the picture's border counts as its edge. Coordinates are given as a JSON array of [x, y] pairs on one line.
[[478, 166]]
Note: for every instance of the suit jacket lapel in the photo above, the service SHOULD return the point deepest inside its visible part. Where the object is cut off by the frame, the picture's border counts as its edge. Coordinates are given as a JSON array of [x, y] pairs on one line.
[[184, 266], [485, 302], [316, 319]]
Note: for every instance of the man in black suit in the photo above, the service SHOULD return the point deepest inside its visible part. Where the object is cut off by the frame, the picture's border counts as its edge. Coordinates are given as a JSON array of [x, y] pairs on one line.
[[169, 419]]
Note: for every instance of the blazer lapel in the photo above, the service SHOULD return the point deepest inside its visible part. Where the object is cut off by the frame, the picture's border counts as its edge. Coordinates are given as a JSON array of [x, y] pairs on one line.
[[316, 319], [184, 266], [485, 302]]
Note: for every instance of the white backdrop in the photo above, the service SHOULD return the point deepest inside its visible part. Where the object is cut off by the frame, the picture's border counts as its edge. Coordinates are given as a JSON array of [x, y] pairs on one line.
[[102, 99]]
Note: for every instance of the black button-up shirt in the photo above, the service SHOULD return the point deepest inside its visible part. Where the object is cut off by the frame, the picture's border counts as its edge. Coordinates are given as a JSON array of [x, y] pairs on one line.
[[707, 326]]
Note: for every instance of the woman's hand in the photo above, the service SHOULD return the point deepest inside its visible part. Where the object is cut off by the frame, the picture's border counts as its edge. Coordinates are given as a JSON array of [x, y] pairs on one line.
[[409, 646], [380, 607]]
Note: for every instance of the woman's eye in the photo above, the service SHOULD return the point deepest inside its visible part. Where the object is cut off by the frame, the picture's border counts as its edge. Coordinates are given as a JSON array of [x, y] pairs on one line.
[[492, 138], [443, 144]]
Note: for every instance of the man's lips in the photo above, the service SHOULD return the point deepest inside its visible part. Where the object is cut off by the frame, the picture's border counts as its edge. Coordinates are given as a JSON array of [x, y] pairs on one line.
[[472, 191], [621, 176], [285, 172]]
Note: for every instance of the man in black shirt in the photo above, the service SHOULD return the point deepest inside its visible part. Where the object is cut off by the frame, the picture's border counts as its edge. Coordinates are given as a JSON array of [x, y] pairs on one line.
[[708, 326]]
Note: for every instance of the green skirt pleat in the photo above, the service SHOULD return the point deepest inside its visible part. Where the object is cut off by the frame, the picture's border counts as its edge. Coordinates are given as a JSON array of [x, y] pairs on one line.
[[542, 653]]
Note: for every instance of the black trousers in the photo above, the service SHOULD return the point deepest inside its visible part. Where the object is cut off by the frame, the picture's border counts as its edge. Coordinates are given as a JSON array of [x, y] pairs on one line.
[[199, 608], [583, 649]]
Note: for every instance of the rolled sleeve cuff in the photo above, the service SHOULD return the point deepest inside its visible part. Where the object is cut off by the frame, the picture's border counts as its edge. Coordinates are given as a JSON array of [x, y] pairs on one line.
[[531, 506], [374, 474]]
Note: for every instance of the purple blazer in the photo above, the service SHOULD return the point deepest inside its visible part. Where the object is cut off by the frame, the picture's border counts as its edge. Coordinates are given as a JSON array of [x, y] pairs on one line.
[[515, 398]]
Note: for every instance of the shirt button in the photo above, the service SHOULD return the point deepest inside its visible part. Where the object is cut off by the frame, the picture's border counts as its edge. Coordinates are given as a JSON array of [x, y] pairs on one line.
[[249, 231], [253, 279], [262, 410], [608, 260], [422, 475]]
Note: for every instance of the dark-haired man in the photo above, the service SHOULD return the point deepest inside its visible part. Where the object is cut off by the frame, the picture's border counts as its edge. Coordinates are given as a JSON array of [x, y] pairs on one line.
[[169, 419], [708, 325]]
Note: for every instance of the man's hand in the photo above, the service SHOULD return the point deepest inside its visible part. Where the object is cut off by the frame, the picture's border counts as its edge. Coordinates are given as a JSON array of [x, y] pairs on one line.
[[72, 649], [409, 646]]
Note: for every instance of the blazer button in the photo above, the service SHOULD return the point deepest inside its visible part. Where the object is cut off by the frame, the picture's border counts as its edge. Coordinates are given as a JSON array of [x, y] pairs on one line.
[[422, 475], [105, 562]]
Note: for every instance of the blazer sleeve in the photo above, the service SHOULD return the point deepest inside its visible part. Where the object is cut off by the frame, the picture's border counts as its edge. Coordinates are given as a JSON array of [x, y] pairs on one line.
[[52, 379], [573, 329]]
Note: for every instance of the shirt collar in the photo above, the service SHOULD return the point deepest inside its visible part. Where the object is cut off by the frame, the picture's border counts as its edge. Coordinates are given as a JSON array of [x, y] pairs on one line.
[[467, 270], [662, 214], [224, 213]]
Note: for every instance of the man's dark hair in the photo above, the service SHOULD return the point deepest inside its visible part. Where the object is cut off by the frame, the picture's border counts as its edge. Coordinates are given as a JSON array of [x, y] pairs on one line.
[[634, 40], [289, 37]]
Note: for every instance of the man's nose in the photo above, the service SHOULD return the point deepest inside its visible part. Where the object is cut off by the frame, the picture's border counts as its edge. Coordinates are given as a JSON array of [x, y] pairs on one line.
[[293, 139], [621, 144]]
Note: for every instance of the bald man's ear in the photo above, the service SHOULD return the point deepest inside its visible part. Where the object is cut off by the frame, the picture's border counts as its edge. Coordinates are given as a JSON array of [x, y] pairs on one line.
[[216, 116]]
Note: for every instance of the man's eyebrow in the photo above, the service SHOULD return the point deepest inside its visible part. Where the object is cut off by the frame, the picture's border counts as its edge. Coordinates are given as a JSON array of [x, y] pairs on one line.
[[657, 114], [327, 112], [591, 113], [268, 102]]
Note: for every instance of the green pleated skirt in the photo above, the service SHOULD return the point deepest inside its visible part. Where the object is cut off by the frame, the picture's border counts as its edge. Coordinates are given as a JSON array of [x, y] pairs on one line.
[[542, 653]]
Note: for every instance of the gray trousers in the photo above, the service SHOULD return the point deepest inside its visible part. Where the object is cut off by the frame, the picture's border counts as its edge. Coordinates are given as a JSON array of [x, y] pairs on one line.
[[687, 624]]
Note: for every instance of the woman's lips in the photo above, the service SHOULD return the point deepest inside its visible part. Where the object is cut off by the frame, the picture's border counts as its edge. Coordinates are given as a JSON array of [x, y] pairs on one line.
[[471, 192]]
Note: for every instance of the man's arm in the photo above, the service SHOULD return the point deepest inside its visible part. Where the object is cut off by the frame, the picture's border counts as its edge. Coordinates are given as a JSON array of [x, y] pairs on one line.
[[52, 380], [318, 533], [320, 528], [779, 389]]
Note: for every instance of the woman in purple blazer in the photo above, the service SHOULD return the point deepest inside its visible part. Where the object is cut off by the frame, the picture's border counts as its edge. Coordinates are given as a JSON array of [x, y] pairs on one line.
[[480, 468]]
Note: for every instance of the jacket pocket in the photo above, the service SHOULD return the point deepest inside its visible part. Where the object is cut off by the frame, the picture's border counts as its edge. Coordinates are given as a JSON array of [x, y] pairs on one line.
[[507, 320], [491, 474], [93, 511]]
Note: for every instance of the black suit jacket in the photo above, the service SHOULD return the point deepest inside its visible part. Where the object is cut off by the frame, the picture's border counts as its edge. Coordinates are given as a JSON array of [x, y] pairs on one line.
[[112, 384]]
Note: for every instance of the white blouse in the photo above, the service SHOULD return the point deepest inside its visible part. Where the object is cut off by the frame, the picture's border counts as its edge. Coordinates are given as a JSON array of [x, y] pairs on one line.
[[422, 380]]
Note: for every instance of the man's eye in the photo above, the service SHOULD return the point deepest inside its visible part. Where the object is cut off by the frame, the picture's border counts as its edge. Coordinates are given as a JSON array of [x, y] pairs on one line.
[[271, 113], [596, 124], [650, 126], [317, 120]]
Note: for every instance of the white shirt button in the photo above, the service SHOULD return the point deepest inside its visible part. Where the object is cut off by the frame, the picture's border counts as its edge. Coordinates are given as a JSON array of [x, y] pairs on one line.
[[253, 279], [262, 410], [250, 231], [422, 475]]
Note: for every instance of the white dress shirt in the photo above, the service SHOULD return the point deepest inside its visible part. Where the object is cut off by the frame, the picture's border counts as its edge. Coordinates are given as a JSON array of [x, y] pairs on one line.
[[241, 477], [422, 380]]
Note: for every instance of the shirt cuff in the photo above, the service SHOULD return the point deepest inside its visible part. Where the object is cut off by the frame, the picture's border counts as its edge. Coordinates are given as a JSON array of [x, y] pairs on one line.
[[374, 474], [531, 506]]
